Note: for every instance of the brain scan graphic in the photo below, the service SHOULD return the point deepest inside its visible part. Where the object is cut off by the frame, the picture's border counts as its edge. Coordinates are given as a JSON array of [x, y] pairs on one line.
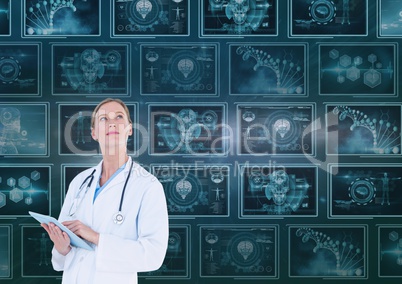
[[238, 252], [194, 191], [150, 17], [187, 130], [183, 188], [179, 70], [275, 130]]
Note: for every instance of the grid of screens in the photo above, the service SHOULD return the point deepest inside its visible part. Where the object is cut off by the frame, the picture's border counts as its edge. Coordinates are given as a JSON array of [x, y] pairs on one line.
[[274, 127]]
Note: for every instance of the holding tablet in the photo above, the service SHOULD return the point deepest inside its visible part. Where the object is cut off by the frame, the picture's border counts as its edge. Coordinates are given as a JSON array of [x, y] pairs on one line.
[[74, 239]]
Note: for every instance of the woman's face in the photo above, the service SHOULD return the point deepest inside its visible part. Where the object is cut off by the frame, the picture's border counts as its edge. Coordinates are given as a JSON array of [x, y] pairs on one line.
[[111, 127]]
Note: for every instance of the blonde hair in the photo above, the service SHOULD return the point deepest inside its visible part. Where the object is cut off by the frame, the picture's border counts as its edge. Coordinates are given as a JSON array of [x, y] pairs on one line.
[[108, 100]]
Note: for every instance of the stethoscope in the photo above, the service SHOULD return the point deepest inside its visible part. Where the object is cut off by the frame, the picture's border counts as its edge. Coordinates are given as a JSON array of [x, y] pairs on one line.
[[118, 218]]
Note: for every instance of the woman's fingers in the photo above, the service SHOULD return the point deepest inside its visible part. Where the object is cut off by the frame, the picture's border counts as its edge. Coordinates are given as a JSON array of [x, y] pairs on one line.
[[59, 238]]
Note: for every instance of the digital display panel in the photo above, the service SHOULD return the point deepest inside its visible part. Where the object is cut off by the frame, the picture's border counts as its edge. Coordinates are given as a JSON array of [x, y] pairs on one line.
[[275, 129], [363, 129], [75, 129], [176, 264], [195, 190], [362, 190], [23, 129], [5, 251], [322, 18], [328, 252], [358, 69], [269, 191], [239, 252], [83, 69], [20, 71], [187, 129], [23, 189], [179, 69], [49, 18], [268, 69], [151, 17], [239, 18], [389, 256], [36, 255]]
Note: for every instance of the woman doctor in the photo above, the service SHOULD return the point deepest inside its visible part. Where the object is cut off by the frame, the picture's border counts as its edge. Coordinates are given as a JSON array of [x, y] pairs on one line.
[[117, 207]]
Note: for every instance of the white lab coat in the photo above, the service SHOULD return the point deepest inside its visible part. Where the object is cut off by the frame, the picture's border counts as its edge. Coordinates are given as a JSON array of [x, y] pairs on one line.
[[138, 244]]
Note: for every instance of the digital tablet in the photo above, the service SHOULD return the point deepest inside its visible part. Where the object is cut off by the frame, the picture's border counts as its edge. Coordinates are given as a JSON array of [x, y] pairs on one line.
[[74, 239]]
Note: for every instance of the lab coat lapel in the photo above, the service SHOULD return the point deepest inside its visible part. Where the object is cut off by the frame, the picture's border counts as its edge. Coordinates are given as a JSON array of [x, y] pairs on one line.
[[88, 198], [119, 179]]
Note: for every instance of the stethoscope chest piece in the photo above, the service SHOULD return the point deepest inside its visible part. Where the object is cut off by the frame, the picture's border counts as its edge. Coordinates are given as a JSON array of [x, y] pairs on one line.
[[118, 218]]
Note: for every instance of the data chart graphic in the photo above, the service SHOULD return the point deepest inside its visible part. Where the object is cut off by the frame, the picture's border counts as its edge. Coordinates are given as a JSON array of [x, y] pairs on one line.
[[361, 190], [268, 69], [323, 18], [151, 17], [328, 251], [358, 69], [269, 191], [239, 252], [49, 18], [239, 18], [363, 129]]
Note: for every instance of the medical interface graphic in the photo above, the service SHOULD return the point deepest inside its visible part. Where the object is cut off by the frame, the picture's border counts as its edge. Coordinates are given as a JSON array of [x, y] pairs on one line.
[[238, 17], [49, 18], [150, 17], [328, 252], [90, 69]]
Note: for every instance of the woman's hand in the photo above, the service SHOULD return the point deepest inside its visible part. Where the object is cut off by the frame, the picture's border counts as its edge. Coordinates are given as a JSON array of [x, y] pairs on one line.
[[59, 238], [82, 231]]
